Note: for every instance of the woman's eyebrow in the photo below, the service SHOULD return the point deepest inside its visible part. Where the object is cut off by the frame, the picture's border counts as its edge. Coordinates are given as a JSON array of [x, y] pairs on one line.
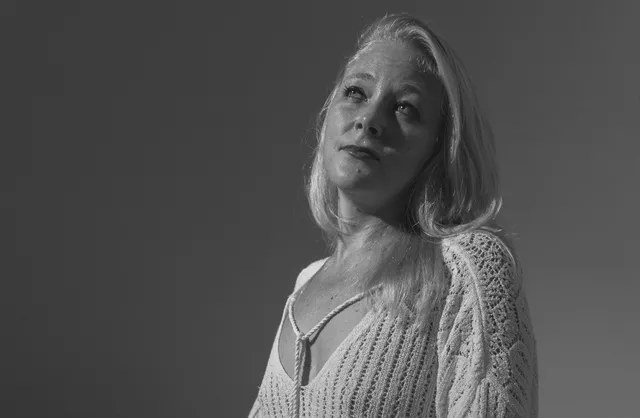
[[413, 87], [419, 88], [361, 76]]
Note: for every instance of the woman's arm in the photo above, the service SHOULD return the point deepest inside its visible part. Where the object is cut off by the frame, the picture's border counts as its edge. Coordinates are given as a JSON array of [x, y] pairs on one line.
[[486, 347]]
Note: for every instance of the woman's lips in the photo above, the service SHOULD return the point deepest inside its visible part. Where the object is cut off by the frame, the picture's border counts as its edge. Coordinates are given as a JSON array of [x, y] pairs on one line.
[[361, 153]]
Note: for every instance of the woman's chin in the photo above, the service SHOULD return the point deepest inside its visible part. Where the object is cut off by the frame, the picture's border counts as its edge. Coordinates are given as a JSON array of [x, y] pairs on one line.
[[348, 175], [354, 182]]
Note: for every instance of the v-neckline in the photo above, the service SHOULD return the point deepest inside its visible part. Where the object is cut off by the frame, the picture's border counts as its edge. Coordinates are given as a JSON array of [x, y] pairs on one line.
[[355, 331], [351, 336]]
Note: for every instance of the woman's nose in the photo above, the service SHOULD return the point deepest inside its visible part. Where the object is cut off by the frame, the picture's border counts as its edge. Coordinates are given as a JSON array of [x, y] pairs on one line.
[[370, 125]]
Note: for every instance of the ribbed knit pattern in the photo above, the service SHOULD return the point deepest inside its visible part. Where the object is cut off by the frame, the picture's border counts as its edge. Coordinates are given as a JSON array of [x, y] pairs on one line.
[[477, 359]]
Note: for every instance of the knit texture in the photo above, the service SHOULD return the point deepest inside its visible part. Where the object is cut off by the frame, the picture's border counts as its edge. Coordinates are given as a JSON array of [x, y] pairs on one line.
[[477, 359]]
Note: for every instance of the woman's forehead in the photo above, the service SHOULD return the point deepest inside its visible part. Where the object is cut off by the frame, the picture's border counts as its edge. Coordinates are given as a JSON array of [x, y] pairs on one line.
[[392, 61], [389, 54]]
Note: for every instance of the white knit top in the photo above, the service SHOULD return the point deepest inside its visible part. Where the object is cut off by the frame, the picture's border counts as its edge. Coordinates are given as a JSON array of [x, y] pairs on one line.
[[478, 357]]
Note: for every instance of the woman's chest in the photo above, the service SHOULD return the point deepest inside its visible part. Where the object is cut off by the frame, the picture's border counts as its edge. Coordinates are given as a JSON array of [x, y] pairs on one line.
[[385, 368], [324, 315]]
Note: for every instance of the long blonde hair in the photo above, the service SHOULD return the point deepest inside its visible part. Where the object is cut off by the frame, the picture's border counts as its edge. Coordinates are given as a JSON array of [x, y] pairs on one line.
[[456, 191]]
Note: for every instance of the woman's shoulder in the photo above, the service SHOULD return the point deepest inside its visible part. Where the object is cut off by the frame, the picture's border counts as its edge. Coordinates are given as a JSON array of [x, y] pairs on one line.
[[481, 255], [476, 238], [308, 272]]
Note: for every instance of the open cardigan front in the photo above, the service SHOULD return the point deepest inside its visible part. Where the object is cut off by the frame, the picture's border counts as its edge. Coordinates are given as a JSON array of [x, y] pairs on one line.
[[477, 359]]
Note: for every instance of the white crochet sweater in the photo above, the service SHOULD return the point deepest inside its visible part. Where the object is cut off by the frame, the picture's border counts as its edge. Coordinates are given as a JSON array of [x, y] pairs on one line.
[[478, 358]]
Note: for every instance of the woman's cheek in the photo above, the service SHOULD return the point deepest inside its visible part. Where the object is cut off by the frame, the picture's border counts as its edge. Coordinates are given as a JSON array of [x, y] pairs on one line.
[[341, 115]]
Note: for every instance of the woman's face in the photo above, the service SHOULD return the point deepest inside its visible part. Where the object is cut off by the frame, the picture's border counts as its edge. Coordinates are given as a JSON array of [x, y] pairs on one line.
[[382, 124]]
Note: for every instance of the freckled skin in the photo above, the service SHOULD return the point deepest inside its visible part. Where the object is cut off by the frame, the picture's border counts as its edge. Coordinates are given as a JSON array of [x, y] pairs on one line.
[[376, 111]]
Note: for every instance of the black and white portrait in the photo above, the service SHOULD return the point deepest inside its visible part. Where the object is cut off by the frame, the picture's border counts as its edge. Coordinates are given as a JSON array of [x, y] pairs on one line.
[[319, 209]]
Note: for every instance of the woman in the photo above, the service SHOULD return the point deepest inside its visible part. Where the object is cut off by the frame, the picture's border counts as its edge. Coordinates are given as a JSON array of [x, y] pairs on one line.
[[419, 310]]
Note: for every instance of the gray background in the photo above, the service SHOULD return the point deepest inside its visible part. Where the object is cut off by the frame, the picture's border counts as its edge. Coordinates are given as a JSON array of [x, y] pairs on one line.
[[152, 159]]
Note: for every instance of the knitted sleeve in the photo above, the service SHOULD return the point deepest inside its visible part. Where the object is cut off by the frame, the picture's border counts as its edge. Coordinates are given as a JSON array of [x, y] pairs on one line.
[[255, 409], [486, 348]]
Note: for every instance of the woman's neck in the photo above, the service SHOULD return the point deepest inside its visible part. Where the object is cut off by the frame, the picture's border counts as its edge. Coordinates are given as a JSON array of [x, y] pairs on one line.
[[366, 228]]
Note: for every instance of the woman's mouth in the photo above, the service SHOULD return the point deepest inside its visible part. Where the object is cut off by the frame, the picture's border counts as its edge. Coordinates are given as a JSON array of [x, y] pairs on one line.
[[360, 153]]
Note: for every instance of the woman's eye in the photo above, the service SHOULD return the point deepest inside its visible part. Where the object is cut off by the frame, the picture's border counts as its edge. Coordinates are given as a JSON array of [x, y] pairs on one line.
[[353, 92], [407, 110]]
